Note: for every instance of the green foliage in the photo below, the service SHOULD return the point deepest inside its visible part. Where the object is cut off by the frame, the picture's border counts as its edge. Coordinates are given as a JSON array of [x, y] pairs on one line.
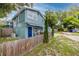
[[69, 18], [60, 28], [52, 20], [70, 22], [6, 39], [3, 26], [6, 8]]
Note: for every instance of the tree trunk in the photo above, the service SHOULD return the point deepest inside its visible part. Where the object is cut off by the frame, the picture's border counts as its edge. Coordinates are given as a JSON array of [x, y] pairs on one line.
[[45, 40], [52, 31]]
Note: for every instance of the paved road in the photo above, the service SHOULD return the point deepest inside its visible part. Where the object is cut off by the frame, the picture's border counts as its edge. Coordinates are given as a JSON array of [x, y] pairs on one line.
[[68, 35]]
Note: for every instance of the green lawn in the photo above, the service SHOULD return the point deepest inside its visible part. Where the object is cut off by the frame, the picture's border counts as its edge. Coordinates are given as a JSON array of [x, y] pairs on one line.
[[6, 39], [59, 45], [75, 33]]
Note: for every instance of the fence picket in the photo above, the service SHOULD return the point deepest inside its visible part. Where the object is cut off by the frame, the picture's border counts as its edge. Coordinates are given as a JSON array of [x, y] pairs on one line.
[[19, 47]]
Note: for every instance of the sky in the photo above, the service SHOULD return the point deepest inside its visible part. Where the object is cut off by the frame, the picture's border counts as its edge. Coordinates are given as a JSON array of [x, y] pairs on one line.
[[51, 6], [42, 7]]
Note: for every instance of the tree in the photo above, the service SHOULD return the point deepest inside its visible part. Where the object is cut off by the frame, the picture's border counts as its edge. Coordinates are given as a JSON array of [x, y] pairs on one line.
[[21, 5], [52, 20], [69, 18], [46, 40], [60, 15], [70, 22], [6, 8]]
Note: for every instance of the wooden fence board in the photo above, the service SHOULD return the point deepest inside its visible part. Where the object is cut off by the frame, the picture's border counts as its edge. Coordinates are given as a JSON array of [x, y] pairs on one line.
[[18, 47]]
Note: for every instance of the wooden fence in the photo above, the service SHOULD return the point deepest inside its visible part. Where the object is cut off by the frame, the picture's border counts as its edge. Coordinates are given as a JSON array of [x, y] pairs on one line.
[[19, 47]]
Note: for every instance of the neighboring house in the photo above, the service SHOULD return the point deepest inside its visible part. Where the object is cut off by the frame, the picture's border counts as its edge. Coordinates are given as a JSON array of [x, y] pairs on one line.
[[28, 22]]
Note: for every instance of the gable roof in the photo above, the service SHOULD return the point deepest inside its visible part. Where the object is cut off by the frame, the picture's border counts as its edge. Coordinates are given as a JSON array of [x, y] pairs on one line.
[[20, 11]]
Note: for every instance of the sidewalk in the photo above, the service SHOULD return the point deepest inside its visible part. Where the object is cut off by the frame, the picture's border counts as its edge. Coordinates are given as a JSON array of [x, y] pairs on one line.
[[70, 36]]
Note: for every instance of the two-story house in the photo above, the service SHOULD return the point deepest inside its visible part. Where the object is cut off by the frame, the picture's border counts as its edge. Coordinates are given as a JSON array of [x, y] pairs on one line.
[[28, 22]]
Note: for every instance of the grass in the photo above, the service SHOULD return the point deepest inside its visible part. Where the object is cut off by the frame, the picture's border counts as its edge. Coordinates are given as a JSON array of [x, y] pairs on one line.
[[59, 45], [75, 33], [6, 39]]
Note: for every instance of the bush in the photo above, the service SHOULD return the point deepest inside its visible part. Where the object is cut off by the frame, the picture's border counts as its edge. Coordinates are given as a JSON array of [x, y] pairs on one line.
[[60, 29], [3, 26]]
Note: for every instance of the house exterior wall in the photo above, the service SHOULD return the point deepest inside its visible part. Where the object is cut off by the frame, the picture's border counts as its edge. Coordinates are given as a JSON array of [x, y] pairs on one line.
[[34, 18], [41, 22], [26, 31], [27, 17], [20, 31], [31, 17], [19, 25]]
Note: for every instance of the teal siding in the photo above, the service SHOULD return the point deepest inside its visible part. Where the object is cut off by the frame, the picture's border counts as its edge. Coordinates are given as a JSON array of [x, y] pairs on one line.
[[40, 20], [31, 17], [20, 31], [24, 20], [22, 17], [20, 25], [26, 31]]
